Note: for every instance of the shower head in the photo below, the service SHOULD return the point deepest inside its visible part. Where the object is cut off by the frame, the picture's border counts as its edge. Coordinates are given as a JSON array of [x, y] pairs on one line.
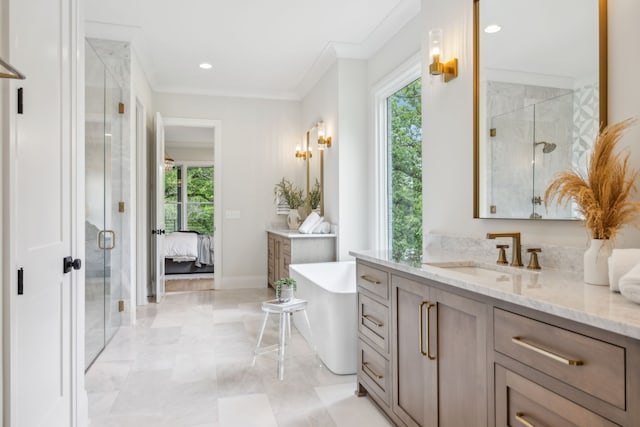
[[547, 147]]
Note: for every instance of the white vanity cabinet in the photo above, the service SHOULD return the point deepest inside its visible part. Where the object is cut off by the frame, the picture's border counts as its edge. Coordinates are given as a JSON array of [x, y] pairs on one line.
[[451, 356], [290, 247]]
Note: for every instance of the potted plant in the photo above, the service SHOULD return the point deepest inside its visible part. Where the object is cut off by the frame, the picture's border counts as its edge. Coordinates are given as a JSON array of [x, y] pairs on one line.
[[602, 198], [314, 196], [284, 289], [292, 195]]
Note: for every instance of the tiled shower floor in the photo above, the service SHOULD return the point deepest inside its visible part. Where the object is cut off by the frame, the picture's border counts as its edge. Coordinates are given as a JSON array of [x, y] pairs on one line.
[[187, 363]]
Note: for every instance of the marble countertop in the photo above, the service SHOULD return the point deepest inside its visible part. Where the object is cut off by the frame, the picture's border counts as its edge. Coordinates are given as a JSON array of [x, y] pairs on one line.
[[560, 293], [294, 234]]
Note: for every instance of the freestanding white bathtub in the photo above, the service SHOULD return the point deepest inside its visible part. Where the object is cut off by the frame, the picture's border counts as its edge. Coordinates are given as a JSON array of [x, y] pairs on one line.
[[330, 289]]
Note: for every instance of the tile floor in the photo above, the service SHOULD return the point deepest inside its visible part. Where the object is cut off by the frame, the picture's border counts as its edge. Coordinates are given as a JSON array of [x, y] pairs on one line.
[[188, 363]]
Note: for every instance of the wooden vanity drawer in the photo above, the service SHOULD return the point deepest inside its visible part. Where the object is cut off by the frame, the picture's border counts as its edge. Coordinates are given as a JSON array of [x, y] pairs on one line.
[[520, 402], [373, 322], [588, 364], [373, 280], [374, 371]]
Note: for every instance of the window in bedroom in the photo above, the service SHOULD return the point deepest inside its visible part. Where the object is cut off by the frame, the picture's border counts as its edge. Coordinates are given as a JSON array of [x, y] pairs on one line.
[[189, 202]]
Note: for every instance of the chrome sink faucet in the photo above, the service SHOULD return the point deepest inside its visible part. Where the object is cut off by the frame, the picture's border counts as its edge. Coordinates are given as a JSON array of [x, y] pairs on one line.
[[516, 257]]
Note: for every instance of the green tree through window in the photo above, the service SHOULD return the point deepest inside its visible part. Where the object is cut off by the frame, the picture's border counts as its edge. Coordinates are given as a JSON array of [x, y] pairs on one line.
[[198, 200], [404, 110]]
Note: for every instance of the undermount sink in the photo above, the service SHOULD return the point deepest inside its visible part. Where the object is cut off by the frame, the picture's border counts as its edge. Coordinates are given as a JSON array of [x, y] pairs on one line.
[[477, 269]]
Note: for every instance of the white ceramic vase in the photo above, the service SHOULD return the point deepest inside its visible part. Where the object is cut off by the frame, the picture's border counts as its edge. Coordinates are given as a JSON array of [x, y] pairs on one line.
[[293, 219], [596, 268]]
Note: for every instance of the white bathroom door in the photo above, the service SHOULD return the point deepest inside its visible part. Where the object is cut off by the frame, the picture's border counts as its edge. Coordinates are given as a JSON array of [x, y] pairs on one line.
[[41, 334], [158, 231]]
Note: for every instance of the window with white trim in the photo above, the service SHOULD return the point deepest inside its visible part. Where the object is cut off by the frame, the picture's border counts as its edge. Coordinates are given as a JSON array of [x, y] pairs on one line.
[[189, 202], [399, 163]]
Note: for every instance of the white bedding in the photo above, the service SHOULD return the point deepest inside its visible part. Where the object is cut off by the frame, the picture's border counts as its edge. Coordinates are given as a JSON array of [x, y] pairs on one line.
[[181, 245]]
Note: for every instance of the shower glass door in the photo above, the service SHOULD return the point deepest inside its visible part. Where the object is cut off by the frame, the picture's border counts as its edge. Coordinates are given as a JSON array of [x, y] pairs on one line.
[[103, 190]]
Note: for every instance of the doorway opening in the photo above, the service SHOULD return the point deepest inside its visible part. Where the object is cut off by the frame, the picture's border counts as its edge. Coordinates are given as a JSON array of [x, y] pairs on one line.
[[185, 230]]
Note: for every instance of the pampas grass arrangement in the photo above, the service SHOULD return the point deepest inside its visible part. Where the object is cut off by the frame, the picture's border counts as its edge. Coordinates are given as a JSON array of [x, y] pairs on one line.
[[603, 195]]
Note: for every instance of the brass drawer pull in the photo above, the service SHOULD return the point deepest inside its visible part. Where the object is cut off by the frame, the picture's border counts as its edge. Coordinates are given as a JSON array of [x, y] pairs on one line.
[[421, 327], [571, 362], [365, 367], [429, 307], [373, 320], [370, 280], [421, 331], [520, 417]]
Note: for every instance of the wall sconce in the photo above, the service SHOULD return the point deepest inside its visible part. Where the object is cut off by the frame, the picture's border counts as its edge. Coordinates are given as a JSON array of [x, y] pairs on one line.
[[449, 69], [323, 140], [304, 155]]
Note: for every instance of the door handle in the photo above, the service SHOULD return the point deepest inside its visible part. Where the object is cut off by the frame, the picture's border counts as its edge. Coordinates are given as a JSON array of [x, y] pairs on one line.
[[69, 263], [102, 239]]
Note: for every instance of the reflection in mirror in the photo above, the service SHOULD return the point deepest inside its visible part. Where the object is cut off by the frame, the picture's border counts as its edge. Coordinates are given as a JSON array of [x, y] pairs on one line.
[[315, 184], [540, 98]]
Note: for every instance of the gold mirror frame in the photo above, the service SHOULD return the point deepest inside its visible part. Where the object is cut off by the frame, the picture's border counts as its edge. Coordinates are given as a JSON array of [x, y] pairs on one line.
[[602, 77], [320, 157]]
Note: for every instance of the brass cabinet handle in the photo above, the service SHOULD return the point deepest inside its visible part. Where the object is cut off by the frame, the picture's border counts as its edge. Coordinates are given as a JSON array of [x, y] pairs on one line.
[[373, 320], [421, 327], [370, 280], [558, 358], [101, 238], [429, 307], [365, 367], [520, 417]]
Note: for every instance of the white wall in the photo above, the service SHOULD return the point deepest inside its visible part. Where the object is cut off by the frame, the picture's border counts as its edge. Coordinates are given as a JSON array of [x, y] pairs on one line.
[[353, 219], [404, 44], [339, 99], [258, 145], [182, 154], [321, 103], [448, 126]]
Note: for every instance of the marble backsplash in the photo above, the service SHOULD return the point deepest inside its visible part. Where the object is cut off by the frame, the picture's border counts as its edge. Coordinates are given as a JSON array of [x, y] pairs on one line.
[[552, 256]]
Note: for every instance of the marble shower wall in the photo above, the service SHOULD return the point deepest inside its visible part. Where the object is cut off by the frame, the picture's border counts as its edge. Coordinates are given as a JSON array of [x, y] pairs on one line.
[[521, 116], [116, 56]]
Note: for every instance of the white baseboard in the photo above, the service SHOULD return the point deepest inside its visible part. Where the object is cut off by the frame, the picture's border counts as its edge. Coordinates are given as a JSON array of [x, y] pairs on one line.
[[242, 282]]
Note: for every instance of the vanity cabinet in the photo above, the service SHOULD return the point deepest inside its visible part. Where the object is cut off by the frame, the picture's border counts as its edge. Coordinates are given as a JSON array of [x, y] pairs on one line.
[[432, 354], [374, 347], [439, 356], [288, 247]]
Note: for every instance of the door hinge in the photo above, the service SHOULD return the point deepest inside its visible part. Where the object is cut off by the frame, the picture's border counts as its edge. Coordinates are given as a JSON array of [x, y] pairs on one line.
[[121, 107], [121, 207], [120, 306], [493, 132], [20, 281]]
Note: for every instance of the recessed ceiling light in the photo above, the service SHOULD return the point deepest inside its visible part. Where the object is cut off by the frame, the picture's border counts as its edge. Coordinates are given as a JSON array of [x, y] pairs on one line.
[[493, 28], [206, 66]]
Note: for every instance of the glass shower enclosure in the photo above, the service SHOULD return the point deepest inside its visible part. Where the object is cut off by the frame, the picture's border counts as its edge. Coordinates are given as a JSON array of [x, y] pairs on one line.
[[103, 191]]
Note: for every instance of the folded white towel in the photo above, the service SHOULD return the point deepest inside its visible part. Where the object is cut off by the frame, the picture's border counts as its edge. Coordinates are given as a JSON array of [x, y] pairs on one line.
[[620, 262], [309, 223], [630, 284], [322, 228]]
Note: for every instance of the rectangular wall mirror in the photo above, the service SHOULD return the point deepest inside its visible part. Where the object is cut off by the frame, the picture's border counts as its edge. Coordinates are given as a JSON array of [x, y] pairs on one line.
[[315, 173], [540, 97]]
